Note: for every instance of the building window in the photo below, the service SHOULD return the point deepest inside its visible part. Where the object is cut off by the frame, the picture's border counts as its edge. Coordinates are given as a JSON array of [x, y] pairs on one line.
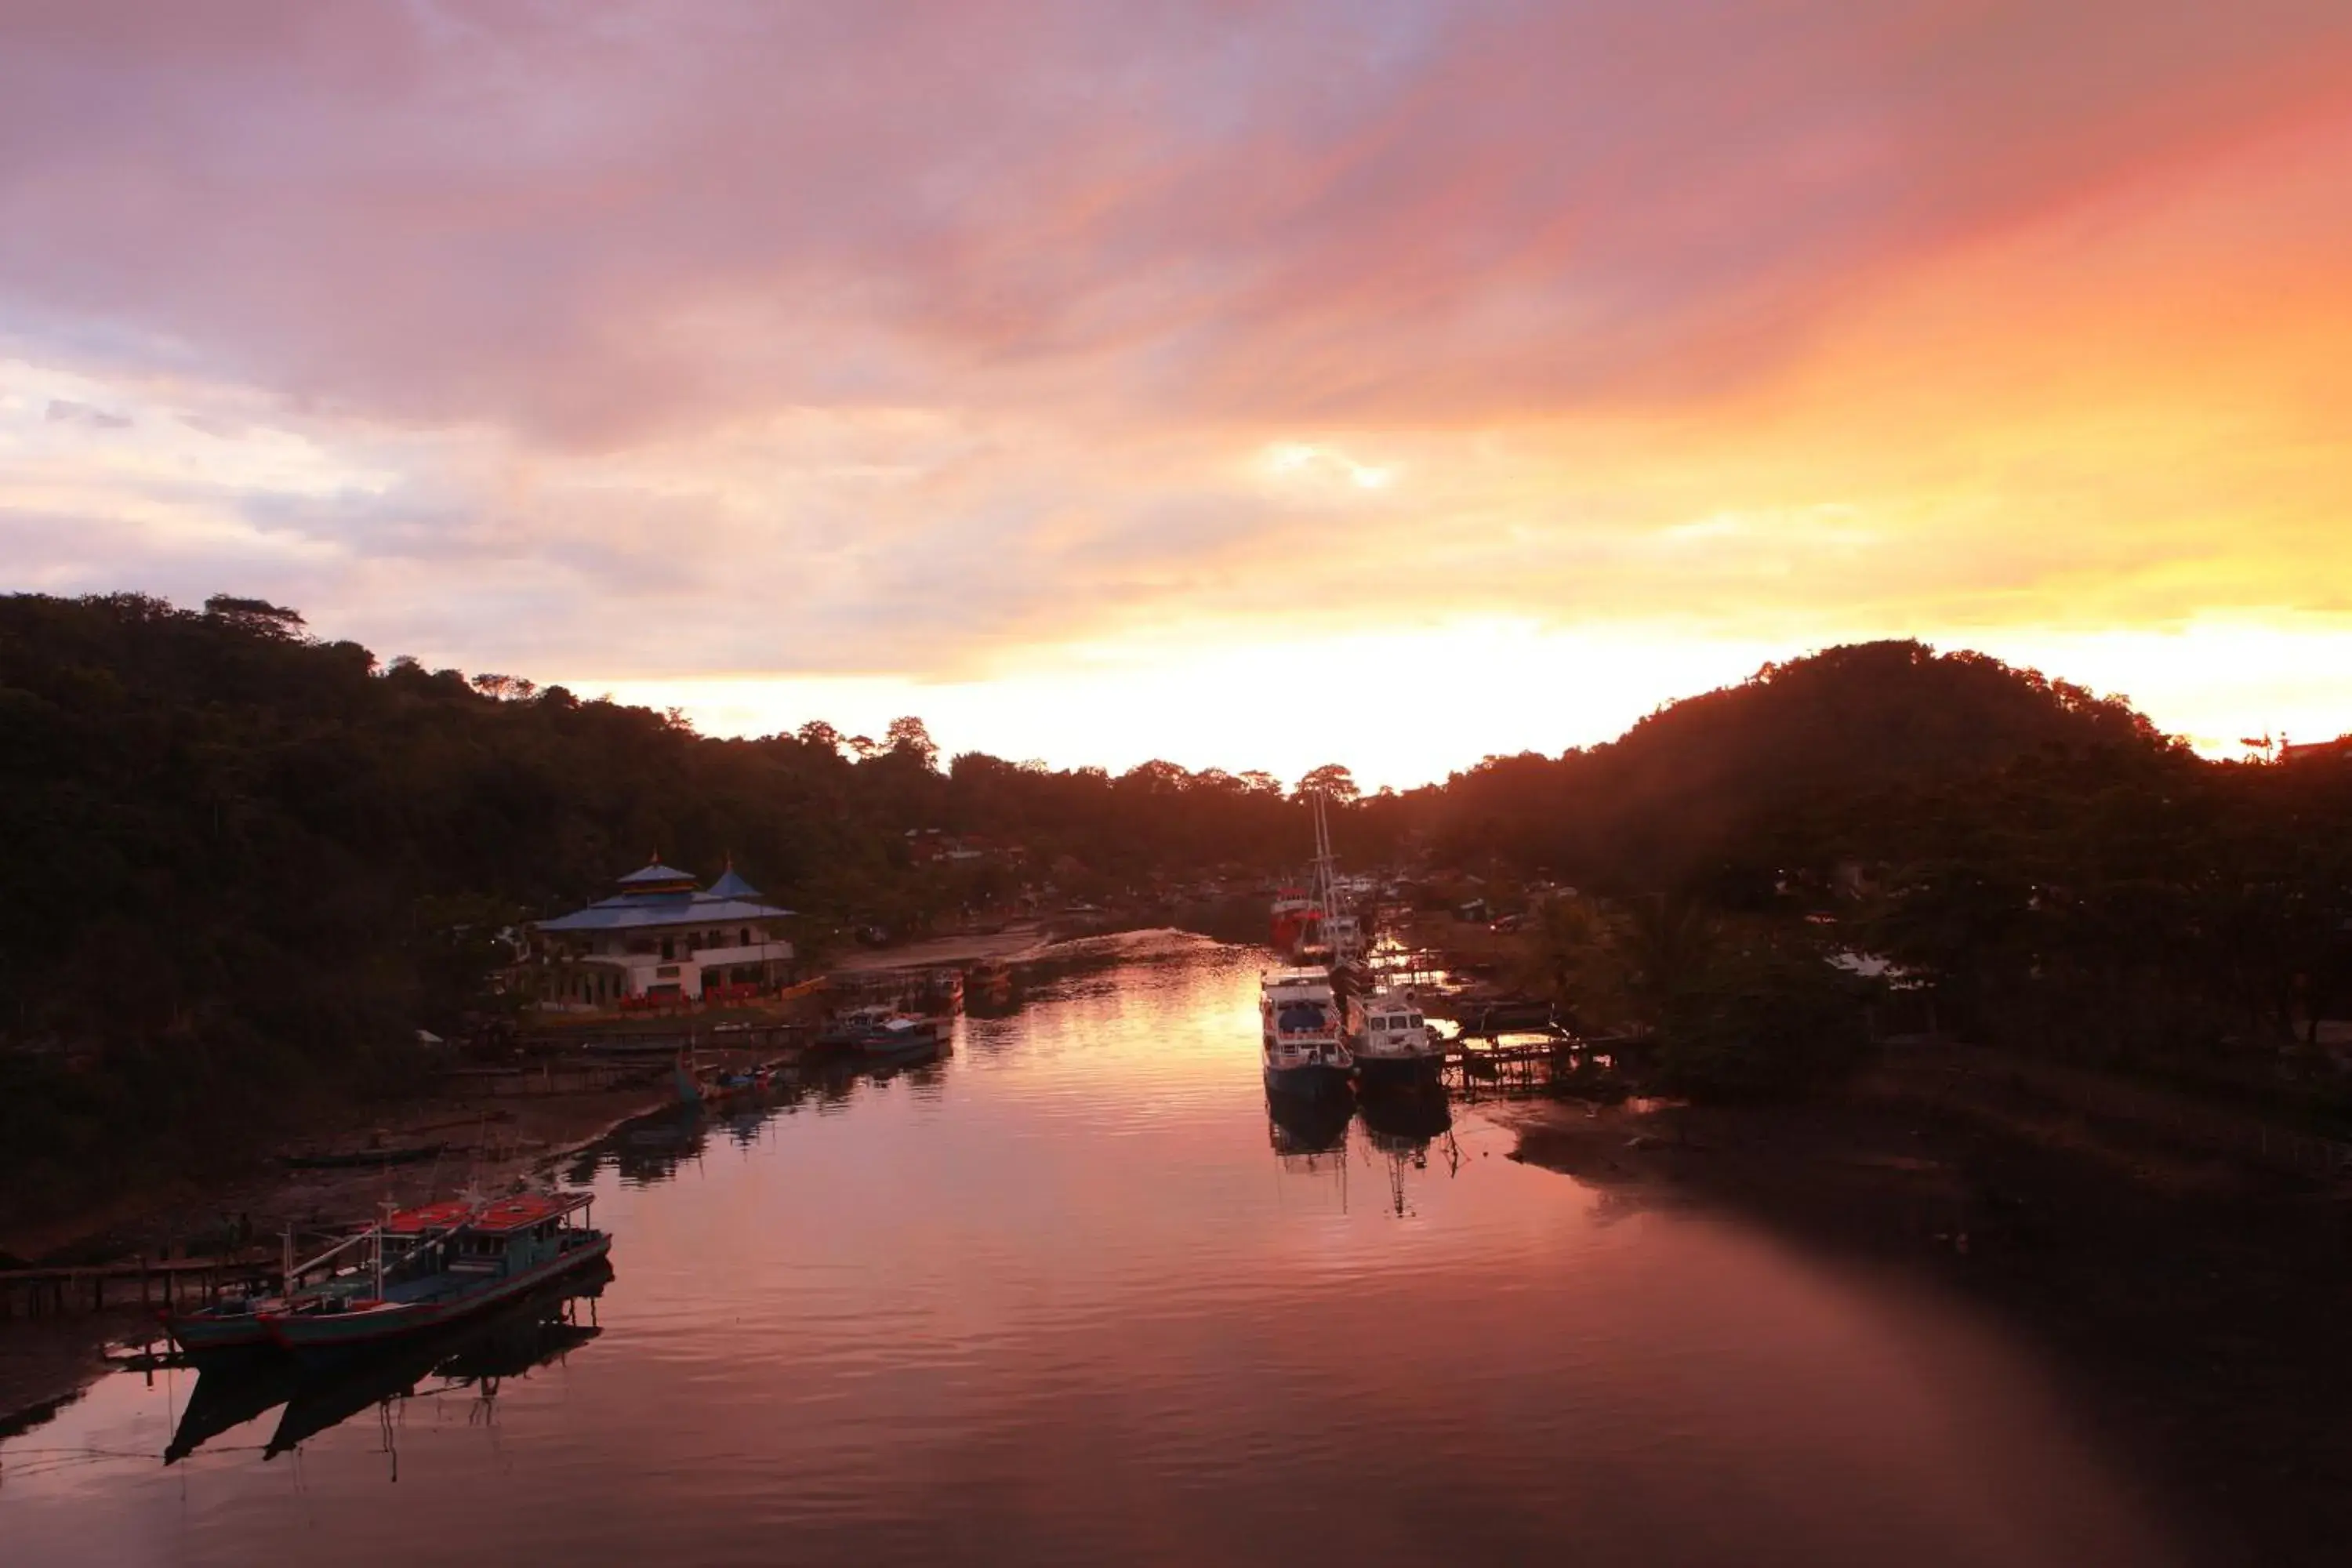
[[667, 951], [747, 937]]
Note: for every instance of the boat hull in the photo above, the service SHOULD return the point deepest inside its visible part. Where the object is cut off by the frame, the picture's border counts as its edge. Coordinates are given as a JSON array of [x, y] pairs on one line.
[[1399, 1071], [913, 1050], [327, 1336], [890, 1044], [1310, 1081], [212, 1336]]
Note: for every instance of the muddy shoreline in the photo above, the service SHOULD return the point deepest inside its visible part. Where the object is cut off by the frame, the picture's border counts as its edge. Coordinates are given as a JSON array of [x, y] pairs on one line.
[[2193, 1307], [45, 1363]]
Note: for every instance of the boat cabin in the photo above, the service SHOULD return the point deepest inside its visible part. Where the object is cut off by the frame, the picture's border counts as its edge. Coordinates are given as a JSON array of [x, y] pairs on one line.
[[1390, 1023], [1298, 1004]]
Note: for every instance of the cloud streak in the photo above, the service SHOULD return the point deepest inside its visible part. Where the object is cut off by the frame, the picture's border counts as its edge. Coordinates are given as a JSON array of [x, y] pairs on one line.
[[922, 339]]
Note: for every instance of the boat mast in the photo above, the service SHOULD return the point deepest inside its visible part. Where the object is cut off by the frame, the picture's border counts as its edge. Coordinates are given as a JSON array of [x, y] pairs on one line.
[[1327, 881], [1325, 894]]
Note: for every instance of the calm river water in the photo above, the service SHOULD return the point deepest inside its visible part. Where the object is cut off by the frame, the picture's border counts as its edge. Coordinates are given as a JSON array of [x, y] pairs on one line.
[[1070, 1296]]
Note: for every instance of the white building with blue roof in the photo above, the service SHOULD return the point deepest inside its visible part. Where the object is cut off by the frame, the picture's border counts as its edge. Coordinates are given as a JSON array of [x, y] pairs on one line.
[[662, 938]]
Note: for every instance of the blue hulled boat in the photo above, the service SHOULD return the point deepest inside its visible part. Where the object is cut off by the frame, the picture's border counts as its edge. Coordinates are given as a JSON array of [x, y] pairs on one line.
[[440, 1264]]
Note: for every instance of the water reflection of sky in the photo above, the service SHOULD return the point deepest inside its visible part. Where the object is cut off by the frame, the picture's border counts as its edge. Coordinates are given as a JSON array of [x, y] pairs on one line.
[[1060, 1300]]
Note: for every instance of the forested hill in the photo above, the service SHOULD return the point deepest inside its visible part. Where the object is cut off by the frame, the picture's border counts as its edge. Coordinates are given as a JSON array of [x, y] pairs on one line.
[[1716, 776], [221, 827], [215, 823], [242, 865]]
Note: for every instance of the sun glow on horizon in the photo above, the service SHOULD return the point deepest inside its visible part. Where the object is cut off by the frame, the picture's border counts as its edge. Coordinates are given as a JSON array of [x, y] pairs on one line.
[[1407, 707]]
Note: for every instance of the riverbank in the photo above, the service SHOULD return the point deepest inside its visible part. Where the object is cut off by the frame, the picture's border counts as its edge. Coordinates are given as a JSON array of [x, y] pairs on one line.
[[489, 1138], [1010, 945], [2197, 1301], [492, 1141]]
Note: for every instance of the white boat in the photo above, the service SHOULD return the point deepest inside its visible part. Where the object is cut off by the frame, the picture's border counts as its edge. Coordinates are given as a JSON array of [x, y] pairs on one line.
[[1392, 1042], [1304, 1046], [901, 1035], [1342, 935]]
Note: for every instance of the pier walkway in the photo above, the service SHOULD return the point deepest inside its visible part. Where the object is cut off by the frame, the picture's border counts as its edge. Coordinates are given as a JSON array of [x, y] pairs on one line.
[[55, 1291]]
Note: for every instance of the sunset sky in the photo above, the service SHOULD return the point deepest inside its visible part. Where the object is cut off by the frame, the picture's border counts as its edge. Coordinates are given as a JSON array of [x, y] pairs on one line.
[[1254, 386]]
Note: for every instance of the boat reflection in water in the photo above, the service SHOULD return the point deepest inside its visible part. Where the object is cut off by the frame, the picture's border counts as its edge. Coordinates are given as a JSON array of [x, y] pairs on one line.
[[235, 1387], [647, 1150], [1407, 1120], [1305, 1129], [1402, 1125]]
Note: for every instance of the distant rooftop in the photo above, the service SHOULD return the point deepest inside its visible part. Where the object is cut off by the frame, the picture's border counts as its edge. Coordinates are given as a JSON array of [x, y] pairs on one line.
[[655, 874], [731, 885], [659, 895]]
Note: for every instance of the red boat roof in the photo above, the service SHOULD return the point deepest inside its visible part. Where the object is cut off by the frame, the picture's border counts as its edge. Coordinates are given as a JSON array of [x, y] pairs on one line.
[[524, 1210], [428, 1217], [519, 1212]]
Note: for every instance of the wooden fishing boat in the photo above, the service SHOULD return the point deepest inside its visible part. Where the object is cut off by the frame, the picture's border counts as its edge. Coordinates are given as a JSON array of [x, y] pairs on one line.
[[223, 1327], [234, 1326], [442, 1264]]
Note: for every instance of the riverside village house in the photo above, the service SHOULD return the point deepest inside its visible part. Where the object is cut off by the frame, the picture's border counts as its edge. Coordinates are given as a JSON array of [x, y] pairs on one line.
[[661, 939]]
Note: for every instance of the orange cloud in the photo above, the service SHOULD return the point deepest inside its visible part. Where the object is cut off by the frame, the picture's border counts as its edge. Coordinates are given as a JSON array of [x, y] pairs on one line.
[[935, 343]]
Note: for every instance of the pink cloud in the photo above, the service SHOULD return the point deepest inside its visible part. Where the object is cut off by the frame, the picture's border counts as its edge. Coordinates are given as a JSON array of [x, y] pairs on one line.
[[588, 228]]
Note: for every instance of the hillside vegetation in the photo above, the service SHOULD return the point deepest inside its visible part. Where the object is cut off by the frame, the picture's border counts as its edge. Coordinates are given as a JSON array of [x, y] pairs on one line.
[[244, 866], [2046, 869]]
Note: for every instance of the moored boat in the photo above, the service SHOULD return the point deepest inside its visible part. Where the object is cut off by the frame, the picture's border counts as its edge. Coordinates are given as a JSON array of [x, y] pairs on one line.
[[229, 1325], [710, 1085], [1291, 909], [1302, 1044], [935, 998], [235, 1325], [1392, 1041], [848, 1028], [900, 1036], [441, 1264]]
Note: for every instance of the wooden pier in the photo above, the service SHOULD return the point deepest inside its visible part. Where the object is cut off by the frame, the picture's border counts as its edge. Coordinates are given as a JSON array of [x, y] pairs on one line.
[[1472, 1063], [151, 1283], [1552, 1062]]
